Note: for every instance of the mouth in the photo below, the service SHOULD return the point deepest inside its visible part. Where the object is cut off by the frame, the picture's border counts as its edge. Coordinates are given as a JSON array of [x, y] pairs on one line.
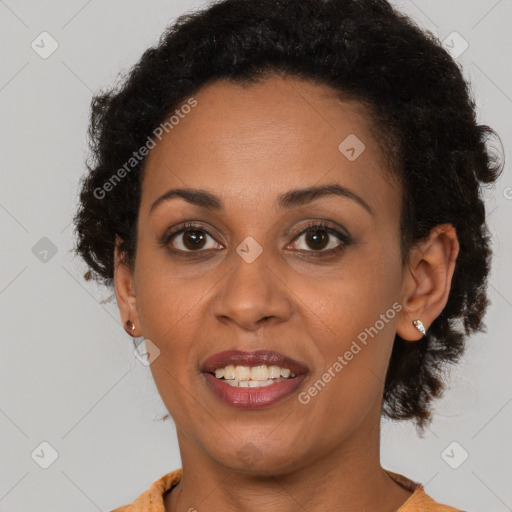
[[252, 379]]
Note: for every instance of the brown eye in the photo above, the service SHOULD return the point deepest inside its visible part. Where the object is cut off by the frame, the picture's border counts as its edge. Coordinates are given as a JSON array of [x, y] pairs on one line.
[[190, 238], [193, 239], [321, 239], [317, 239]]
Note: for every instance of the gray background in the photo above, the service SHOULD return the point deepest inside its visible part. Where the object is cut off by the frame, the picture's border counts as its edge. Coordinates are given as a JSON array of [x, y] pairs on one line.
[[68, 375]]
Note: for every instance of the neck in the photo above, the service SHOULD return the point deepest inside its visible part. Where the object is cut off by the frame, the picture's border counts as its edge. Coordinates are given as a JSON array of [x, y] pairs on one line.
[[349, 477]]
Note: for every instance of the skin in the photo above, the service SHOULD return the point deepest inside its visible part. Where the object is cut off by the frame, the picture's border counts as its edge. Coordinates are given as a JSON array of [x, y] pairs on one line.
[[248, 145]]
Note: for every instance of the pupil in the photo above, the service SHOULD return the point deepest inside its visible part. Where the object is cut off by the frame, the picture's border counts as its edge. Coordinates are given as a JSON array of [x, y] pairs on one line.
[[196, 236], [319, 239]]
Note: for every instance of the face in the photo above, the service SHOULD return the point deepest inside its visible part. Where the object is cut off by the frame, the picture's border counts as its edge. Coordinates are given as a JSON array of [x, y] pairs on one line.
[[316, 278]]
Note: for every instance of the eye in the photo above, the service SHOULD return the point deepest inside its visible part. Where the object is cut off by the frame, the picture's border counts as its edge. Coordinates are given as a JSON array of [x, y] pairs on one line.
[[319, 237], [190, 238]]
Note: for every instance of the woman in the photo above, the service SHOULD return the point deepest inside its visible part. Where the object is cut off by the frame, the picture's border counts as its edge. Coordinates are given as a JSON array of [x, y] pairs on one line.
[[286, 198]]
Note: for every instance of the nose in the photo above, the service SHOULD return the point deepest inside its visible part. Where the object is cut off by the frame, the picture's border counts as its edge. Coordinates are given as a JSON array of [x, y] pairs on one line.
[[252, 294]]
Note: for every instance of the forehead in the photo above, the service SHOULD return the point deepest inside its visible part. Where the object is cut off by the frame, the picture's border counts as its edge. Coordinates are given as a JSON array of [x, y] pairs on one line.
[[252, 142]]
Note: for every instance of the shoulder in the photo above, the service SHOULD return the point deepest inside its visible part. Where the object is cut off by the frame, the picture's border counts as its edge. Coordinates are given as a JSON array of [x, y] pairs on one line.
[[419, 501], [152, 500]]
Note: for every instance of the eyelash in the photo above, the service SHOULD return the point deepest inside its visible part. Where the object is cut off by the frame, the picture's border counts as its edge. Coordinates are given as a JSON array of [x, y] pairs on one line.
[[317, 226]]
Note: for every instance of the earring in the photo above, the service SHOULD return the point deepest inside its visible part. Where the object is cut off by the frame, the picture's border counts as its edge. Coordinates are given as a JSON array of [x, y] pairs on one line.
[[419, 325], [130, 326]]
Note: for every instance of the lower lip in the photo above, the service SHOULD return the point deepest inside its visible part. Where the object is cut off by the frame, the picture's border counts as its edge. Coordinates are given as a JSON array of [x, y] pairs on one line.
[[253, 398]]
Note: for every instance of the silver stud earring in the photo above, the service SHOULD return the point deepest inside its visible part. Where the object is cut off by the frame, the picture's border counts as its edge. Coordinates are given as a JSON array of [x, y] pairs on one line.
[[419, 325]]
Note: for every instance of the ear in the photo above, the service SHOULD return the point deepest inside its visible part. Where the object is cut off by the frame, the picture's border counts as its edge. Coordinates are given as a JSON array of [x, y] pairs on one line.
[[125, 292], [427, 280]]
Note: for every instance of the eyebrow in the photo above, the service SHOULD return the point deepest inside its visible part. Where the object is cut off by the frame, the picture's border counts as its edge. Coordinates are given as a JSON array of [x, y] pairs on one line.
[[290, 199]]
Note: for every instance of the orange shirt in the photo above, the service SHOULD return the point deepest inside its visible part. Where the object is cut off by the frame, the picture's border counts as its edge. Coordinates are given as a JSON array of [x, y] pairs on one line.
[[152, 500]]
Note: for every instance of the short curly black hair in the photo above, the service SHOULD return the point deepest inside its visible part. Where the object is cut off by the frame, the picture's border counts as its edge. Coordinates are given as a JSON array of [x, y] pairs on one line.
[[419, 102]]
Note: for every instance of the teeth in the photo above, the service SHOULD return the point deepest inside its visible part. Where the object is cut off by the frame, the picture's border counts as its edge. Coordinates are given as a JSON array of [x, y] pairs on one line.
[[242, 373], [274, 372], [249, 383], [229, 372], [255, 376], [259, 372]]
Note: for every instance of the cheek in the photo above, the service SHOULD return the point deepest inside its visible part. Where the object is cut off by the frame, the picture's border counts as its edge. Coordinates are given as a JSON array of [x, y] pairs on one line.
[[167, 293], [357, 310], [353, 296], [169, 306]]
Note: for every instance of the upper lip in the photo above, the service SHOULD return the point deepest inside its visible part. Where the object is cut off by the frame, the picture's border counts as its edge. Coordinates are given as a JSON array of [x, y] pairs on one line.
[[255, 358]]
